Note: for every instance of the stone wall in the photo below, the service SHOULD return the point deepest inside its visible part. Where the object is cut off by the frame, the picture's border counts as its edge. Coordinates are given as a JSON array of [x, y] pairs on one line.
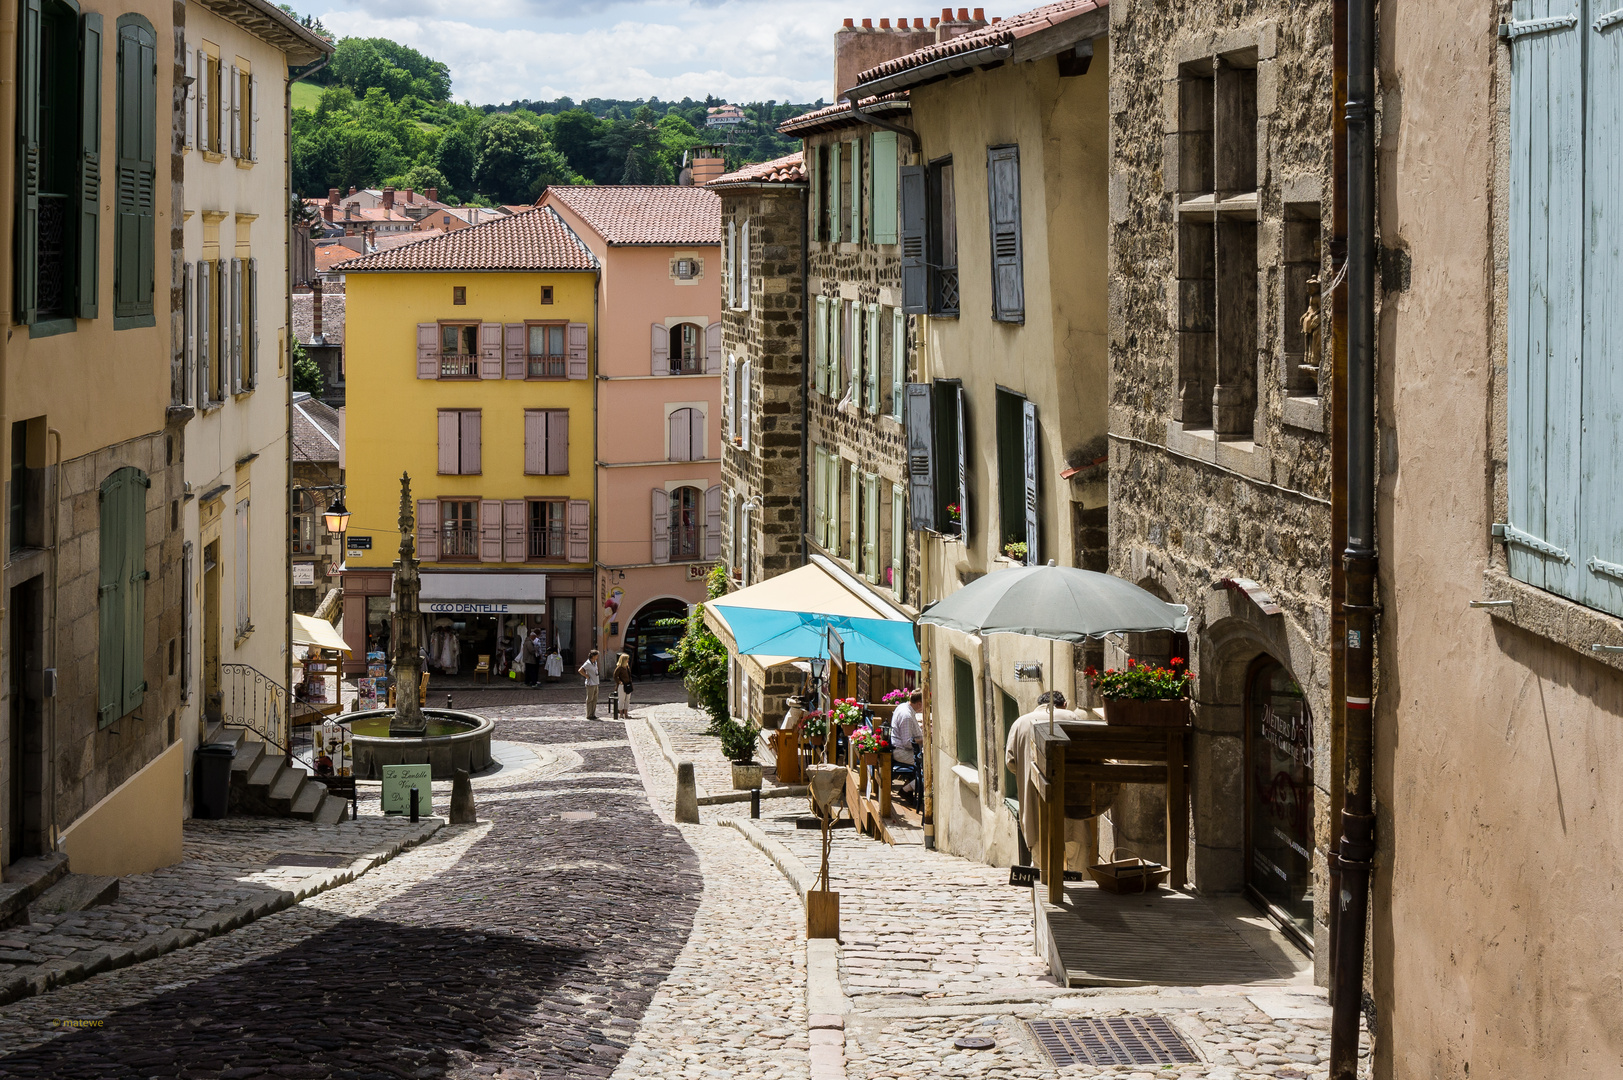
[[1190, 506]]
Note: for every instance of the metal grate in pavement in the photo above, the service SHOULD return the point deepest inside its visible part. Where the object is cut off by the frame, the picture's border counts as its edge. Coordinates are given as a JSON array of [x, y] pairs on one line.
[[311, 860], [1111, 1040]]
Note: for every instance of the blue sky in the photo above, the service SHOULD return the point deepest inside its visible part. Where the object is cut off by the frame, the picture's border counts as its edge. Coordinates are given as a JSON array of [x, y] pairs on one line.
[[501, 50]]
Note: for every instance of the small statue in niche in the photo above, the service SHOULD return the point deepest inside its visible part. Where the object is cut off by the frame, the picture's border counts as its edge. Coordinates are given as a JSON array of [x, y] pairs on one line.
[[1310, 323]]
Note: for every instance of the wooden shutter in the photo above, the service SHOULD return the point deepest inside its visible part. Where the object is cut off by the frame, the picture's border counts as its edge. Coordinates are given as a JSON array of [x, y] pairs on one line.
[[558, 442], [472, 437], [885, 180], [428, 530], [252, 128], [836, 347], [661, 349], [856, 191], [744, 266], [222, 142], [135, 563], [450, 423], [1545, 318], [678, 436], [836, 222], [728, 394], [961, 423], [191, 106], [713, 355], [742, 420], [915, 272], [490, 530], [28, 152], [428, 350], [490, 350], [111, 592], [579, 360], [871, 376], [236, 110], [134, 239], [580, 531], [203, 90], [731, 259], [820, 346], [85, 295], [898, 539], [514, 522], [205, 339], [712, 523], [870, 527], [188, 335], [920, 423], [898, 361], [661, 512], [517, 350], [235, 291], [1003, 185], [250, 320], [535, 442], [813, 156], [819, 522], [242, 565], [1028, 432]]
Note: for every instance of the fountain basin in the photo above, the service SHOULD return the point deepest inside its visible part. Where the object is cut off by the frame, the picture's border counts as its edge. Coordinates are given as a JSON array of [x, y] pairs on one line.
[[455, 740]]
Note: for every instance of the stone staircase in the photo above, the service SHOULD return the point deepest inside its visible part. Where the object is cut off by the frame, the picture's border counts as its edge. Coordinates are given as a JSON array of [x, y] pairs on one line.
[[263, 783]]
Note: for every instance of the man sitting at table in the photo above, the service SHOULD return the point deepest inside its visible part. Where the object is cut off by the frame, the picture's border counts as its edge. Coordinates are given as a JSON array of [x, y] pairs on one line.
[[906, 737]]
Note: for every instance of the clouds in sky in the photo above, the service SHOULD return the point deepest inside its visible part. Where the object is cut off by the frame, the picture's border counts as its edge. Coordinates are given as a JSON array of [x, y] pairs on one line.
[[502, 50]]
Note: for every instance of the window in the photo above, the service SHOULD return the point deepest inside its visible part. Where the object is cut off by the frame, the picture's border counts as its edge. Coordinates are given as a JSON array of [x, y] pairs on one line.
[[121, 598], [817, 163], [1017, 476], [244, 114], [963, 699], [1217, 248], [546, 442], [846, 178], [243, 567], [1565, 443], [686, 349], [835, 182], [937, 459], [459, 295], [27, 503], [1003, 187], [741, 405], [845, 346], [208, 100], [687, 269], [686, 524], [546, 294], [685, 429], [1305, 329], [547, 350], [738, 265], [135, 257], [459, 350], [459, 438], [547, 532], [304, 523], [459, 529], [59, 150]]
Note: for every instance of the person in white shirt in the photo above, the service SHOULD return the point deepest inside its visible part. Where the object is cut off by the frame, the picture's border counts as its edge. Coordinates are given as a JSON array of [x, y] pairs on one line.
[[588, 671], [905, 733]]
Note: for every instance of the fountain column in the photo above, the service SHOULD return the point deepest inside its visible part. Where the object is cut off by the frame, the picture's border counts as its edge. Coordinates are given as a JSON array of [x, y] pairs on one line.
[[408, 720]]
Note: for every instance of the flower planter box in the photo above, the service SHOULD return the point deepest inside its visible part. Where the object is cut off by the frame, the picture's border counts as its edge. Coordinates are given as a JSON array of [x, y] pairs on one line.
[[1136, 712]]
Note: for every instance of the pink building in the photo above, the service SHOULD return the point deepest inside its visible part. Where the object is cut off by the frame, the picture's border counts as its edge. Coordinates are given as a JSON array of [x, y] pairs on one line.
[[658, 405]]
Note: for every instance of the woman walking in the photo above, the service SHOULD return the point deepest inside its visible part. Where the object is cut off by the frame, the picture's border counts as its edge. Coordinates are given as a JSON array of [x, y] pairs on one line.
[[622, 683]]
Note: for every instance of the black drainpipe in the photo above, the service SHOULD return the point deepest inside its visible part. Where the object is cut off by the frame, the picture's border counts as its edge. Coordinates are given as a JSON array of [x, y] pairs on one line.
[[1358, 817]]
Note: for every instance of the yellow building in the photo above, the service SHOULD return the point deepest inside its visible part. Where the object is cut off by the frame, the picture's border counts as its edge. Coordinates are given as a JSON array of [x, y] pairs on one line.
[[470, 368]]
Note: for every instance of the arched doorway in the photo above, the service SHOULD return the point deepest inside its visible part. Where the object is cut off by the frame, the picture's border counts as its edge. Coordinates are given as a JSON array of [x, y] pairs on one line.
[[1279, 798], [651, 633]]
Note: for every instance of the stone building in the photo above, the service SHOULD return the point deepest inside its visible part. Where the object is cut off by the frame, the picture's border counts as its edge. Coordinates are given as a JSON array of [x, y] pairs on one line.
[[763, 419], [1005, 202], [318, 481], [1219, 459]]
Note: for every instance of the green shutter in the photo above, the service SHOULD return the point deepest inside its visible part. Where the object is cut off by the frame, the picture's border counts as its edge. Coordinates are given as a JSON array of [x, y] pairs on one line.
[[134, 238], [135, 570], [90, 35], [886, 185], [835, 223], [963, 699], [28, 161]]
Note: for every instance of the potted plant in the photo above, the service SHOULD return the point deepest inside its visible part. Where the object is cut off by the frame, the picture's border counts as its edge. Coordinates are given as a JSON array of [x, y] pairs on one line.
[[868, 743], [955, 520], [738, 744], [1144, 695], [814, 725], [847, 713], [1015, 551]]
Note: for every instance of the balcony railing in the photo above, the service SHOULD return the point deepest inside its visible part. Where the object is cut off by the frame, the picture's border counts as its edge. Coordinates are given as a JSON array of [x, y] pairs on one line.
[[547, 367], [687, 543], [547, 543], [459, 367], [459, 543]]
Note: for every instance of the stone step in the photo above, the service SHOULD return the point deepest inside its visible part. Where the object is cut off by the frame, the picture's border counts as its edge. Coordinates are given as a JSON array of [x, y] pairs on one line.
[[307, 801], [249, 751], [76, 892], [331, 811], [265, 771], [25, 879], [285, 787], [219, 733]]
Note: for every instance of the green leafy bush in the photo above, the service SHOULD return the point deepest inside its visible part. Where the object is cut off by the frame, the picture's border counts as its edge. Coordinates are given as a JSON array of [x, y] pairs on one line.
[[701, 658], [737, 742]]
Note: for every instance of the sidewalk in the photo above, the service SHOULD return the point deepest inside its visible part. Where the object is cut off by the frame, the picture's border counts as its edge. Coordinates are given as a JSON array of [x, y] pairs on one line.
[[936, 948], [234, 871]]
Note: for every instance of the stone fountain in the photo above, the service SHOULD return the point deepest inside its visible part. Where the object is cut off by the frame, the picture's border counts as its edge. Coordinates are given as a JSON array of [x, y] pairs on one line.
[[409, 734]]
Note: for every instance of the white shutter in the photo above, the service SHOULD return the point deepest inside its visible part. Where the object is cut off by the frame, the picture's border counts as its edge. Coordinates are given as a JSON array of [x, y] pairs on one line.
[[428, 530], [535, 442], [661, 349], [191, 107], [661, 512], [854, 536], [870, 377], [253, 119], [728, 404], [490, 350], [898, 362], [236, 110], [712, 349], [743, 419], [450, 435], [472, 442], [251, 322], [820, 346], [679, 436], [490, 530], [201, 116], [1033, 524], [712, 523], [870, 527], [222, 107], [898, 539], [188, 330], [732, 259], [205, 341], [514, 546], [744, 266], [233, 293], [428, 350]]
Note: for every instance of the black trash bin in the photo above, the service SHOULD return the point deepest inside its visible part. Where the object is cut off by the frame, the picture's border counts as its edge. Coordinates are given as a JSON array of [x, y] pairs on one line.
[[211, 789]]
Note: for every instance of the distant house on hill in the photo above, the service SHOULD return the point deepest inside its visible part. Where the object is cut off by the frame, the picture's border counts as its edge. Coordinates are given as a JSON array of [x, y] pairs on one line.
[[723, 116]]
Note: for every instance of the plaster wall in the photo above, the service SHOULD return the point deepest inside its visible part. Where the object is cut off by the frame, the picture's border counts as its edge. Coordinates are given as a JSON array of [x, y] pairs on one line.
[[102, 842], [1494, 933]]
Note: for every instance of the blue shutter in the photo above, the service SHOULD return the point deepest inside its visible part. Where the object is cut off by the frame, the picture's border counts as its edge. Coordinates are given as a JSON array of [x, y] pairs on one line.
[[915, 275], [1546, 295], [1598, 562], [1003, 200]]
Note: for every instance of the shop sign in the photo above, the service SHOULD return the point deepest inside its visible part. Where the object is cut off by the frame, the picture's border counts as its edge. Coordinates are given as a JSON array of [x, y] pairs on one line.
[[482, 607], [398, 780], [304, 573], [359, 543]]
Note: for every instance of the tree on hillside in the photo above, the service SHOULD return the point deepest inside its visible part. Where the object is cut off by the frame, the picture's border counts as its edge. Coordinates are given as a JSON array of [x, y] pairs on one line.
[[457, 156], [515, 159]]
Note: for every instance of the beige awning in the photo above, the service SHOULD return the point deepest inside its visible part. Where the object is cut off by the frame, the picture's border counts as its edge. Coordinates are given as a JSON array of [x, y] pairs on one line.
[[810, 589], [317, 632]]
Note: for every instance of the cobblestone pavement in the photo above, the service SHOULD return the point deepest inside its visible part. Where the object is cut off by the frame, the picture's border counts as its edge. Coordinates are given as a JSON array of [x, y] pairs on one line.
[[530, 944], [684, 734]]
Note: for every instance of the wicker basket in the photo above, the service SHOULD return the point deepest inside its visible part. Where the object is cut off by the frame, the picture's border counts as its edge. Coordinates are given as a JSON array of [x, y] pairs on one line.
[[1129, 875]]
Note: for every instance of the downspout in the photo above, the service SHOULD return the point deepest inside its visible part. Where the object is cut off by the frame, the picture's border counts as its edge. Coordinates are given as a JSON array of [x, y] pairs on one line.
[[889, 125], [598, 584], [1358, 817], [1336, 298]]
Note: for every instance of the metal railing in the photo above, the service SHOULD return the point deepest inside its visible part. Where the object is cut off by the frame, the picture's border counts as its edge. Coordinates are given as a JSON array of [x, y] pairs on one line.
[[459, 366], [547, 543], [686, 543], [946, 290], [459, 543], [547, 367], [252, 700]]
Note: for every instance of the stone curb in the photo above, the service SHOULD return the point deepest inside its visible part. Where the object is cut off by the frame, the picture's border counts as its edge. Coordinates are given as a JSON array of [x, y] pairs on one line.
[[665, 751], [795, 871], [50, 976], [793, 791]]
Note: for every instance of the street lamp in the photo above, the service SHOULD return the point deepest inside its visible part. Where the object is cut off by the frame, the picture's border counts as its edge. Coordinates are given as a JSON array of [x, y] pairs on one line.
[[337, 517]]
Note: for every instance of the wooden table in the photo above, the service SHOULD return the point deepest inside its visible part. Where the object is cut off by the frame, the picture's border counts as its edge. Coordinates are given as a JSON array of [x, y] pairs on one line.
[[1078, 754]]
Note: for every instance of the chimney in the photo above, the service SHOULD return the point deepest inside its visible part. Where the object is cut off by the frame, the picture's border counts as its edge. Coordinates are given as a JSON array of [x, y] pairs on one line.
[[315, 311], [388, 198], [326, 211], [352, 189], [952, 26], [332, 195], [407, 193], [858, 48], [432, 194], [707, 164]]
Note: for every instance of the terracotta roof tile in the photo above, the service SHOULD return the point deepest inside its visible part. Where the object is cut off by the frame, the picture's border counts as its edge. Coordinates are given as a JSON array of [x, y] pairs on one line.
[[330, 255], [394, 240], [785, 170], [1004, 32], [536, 240], [646, 213], [332, 318], [839, 114]]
